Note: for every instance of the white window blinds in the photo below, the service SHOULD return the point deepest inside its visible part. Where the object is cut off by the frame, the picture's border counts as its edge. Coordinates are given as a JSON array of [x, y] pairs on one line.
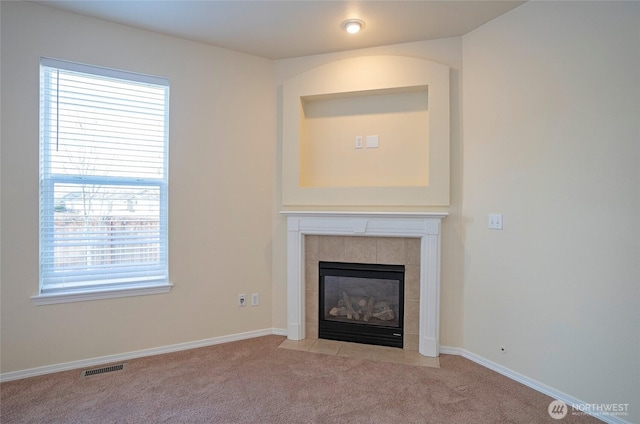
[[103, 178]]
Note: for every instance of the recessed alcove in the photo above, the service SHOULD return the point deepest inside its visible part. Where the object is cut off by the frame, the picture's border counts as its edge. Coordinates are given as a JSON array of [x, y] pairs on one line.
[[401, 101], [331, 123]]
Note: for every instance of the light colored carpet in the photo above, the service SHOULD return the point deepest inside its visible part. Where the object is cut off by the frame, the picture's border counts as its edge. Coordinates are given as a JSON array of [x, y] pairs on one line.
[[253, 381]]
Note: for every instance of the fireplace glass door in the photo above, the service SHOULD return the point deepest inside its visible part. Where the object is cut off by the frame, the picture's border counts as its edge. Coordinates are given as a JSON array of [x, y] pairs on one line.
[[362, 303]]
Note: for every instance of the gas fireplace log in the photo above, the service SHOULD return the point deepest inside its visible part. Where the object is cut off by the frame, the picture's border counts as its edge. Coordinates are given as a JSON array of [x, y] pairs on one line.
[[370, 302], [351, 313], [338, 311], [361, 308], [383, 311]]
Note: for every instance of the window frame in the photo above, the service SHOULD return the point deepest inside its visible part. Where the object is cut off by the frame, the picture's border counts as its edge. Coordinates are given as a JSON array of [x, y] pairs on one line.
[[48, 294]]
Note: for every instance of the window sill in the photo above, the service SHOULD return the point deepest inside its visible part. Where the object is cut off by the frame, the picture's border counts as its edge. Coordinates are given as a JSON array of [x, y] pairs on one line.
[[85, 295]]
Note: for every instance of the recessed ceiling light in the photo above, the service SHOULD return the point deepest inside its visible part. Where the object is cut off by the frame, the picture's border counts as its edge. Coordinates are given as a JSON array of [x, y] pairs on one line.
[[353, 25]]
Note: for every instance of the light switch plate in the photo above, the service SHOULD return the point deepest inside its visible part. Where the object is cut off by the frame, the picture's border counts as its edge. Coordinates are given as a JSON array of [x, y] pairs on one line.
[[372, 142]]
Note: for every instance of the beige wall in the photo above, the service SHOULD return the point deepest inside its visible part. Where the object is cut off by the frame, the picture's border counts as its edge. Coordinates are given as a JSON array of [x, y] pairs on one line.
[[551, 125], [221, 192]]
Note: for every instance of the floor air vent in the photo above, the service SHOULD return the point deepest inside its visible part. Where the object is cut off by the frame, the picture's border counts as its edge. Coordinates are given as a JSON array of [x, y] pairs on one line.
[[95, 371]]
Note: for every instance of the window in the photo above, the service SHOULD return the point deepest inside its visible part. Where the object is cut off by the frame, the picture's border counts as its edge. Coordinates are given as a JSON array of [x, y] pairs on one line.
[[103, 183]]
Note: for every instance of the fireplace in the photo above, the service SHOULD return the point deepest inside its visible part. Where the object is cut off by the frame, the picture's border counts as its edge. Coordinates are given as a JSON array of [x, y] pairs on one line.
[[422, 226], [362, 303]]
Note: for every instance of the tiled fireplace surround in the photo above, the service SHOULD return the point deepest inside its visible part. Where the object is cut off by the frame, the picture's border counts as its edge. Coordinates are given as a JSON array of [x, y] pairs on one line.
[[410, 239], [371, 250]]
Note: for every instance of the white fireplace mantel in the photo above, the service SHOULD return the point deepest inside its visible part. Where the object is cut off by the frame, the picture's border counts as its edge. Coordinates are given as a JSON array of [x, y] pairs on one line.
[[423, 225]]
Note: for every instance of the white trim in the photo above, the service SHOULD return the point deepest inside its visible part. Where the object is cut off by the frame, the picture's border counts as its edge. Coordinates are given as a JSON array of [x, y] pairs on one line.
[[448, 350], [529, 382], [105, 72], [49, 369], [279, 331], [356, 214], [107, 293], [423, 225], [149, 101]]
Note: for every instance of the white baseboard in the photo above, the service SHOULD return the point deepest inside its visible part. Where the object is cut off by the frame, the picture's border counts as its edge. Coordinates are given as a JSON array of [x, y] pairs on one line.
[[529, 382], [49, 369], [279, 331]]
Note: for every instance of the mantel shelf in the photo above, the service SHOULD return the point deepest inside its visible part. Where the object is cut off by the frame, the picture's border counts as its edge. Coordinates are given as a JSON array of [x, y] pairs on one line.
[[357, 214]]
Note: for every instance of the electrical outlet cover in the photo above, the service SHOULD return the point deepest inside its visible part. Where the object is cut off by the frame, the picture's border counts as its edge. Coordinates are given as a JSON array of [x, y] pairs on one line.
[[495, 221]]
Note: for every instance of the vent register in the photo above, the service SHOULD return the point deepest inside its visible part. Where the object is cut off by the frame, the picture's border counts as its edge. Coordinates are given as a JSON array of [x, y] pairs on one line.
[[102, 370]]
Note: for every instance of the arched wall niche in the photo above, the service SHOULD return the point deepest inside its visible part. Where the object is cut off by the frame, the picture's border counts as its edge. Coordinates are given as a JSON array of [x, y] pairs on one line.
[[400, 102]]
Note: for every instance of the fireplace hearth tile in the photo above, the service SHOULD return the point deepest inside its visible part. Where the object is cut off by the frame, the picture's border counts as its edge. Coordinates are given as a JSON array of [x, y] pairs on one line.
[[327, 347], [413, 251], [360, 250], [411, 314], [361, 351], [311, 275], [414, 358], [312, 330], [311, 247], [311, 310], [304, 345], [317, 246], [356, 350], [411, 342], [331, 248], [388, 354], [412, 282], [391, 250]]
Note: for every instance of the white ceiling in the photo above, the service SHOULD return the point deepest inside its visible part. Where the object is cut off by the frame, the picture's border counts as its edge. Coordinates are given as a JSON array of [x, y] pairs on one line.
[[285, 29]]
